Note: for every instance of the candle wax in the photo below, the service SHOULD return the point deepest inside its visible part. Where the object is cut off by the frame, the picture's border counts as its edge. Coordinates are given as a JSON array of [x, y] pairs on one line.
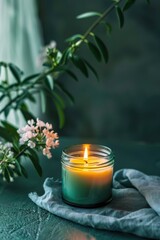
[[88, 184]]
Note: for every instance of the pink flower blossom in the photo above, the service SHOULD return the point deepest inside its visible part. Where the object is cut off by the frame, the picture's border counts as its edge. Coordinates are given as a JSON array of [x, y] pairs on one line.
[[49, 142], [29, 135], [48, 126], [46, 152], [39, 135], [40, 123]]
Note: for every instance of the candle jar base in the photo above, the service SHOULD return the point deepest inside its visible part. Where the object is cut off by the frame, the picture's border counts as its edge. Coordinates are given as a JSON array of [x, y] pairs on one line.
[[96, 205]]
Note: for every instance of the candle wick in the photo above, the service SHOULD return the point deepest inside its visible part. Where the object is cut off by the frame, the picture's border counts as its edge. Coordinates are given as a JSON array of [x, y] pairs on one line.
[[85, 160]]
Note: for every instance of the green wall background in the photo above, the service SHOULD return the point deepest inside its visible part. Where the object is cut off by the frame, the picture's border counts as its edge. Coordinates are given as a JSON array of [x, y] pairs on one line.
[[124, 105]]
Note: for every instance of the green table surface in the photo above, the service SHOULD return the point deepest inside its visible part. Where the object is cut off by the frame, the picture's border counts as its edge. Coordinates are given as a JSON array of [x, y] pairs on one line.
[[21, 219]]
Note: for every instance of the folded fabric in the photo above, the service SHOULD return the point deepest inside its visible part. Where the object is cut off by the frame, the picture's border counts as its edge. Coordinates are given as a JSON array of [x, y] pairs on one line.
[[135, 207]]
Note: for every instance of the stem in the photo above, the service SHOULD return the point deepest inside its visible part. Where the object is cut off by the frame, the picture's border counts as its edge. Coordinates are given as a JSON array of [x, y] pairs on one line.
[[25, 92], [86, 34], [96, 23], [21, 152], [41, 77], [26, 148]]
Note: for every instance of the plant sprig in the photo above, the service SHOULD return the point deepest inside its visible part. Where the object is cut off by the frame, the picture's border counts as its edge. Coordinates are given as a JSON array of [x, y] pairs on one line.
[[35, 136], [58, 63]]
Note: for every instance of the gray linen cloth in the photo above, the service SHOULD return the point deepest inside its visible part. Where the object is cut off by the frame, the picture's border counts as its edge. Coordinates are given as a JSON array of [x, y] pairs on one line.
[[135, 207]]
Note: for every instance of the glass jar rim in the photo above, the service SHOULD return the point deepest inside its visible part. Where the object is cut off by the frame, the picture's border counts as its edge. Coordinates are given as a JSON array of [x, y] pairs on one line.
[[96, 150]]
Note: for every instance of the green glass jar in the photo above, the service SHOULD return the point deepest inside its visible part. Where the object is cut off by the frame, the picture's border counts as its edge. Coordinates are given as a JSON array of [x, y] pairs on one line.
[[87, 179]]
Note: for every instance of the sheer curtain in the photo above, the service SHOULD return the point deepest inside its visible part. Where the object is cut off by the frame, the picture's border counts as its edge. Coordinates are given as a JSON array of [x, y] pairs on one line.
[[20, 36]]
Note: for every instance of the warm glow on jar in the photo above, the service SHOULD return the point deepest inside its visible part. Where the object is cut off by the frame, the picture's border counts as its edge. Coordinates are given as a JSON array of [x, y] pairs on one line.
[[87, 172]]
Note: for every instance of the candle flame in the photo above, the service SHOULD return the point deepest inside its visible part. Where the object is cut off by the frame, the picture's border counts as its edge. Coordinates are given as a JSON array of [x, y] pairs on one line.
[[86, 153]]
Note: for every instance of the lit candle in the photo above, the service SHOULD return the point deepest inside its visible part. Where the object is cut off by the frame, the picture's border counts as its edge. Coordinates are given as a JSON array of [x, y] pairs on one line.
[[87, 172]]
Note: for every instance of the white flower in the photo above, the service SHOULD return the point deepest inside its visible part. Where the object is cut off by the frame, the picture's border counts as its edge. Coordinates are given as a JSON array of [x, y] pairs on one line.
[[10, 154], [9, 145], [11, 166], [31, 122], [49, 155], [21, 141], [56, 143], [52, 44], [11, 179], [31, 144]]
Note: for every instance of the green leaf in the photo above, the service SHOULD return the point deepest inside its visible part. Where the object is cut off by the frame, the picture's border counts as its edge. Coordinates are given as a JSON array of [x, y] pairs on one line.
[[47, 64], [16, 146], [24, 96], [34, 159], [11, 172], [25, 112], [30, 77], [70, 73], [80, 65], [3, 64], [30, 97], [17, 172], [120, 16], [17, 73], [4, 134], [89, 14], [103, 48], [12, 86], [66, 55], [18, 166], [6, 111], [108, 27], [128, 4], [2, 89], [50, 81], [60, 113], [92, 69], [10, 129], [116, 1], [21, 99], [59, 99], [23, 171], [74, 37], [65, 91], [43, 101], [95, 51], [6, 174]]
